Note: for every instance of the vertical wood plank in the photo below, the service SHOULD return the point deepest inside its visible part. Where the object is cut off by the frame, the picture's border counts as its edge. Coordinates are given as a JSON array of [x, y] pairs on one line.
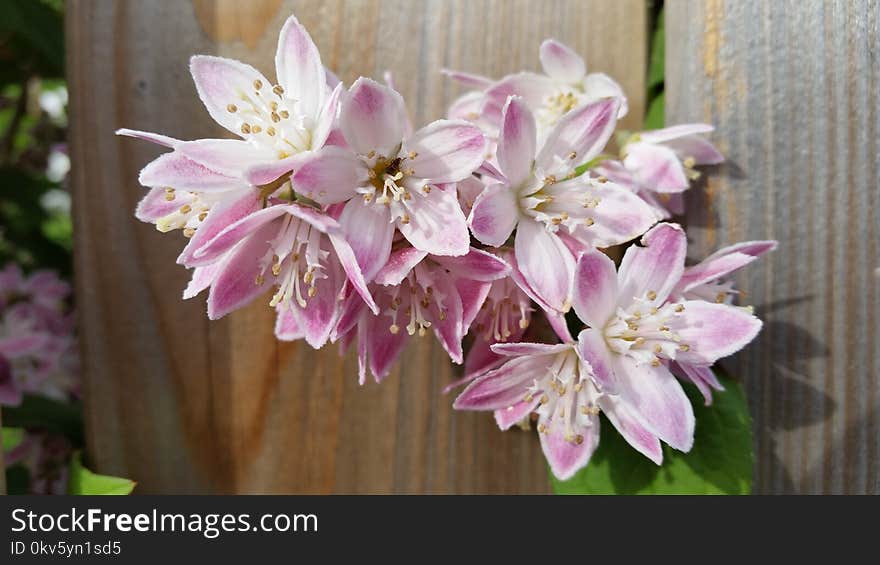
[[792, 88], [183, 405]]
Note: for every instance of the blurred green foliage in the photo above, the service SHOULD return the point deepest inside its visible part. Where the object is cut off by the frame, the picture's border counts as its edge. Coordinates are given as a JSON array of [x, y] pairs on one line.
[[35, 226]]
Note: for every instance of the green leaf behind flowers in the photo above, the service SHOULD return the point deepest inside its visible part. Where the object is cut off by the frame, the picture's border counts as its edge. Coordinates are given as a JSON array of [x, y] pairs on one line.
[[719, 463]]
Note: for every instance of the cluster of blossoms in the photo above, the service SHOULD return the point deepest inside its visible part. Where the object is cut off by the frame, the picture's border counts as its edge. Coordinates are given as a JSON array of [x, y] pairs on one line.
[[367, 230], [38, 356]]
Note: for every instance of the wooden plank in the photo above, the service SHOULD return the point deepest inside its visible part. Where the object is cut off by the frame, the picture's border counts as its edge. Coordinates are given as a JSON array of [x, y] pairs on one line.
[[792, 88], [184, 405]]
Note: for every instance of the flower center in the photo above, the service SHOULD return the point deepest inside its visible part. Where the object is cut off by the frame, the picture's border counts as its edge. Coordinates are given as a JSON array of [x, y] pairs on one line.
[[390, 183], [567, 396], [564, 202], [194, 208], [297, 262], [266, 117], [416, 303], [504, 309], [557, 105], [645, 332]]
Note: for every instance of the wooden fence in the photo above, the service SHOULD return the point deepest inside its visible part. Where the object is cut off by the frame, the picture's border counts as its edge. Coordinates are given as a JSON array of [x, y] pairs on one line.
[[182, 404]]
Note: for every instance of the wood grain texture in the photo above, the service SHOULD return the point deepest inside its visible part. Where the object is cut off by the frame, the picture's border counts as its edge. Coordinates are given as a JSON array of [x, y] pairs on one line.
[[792, 88], [184, 405]]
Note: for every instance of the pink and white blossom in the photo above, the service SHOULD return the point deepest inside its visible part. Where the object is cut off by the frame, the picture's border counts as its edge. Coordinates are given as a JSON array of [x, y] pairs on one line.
[[417, 292], [620, 363], [555, 213], [298, 250], [661, 164], [394, 181]]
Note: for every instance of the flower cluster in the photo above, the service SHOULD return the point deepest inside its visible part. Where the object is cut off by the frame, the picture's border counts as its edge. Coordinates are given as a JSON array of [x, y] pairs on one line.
[[38, 350], [38, 356], [362, 229]]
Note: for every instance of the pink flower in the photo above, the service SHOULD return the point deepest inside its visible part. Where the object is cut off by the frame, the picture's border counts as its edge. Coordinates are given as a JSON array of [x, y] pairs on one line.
[[564, 86], [394, 180], [706, 281], [555, 214], [417, 292], [298, 249], [619, 364], [204, 185], [660, 164], [38, 352]]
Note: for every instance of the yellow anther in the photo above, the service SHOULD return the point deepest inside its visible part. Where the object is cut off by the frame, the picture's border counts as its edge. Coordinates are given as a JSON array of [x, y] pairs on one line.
[[231, 108]]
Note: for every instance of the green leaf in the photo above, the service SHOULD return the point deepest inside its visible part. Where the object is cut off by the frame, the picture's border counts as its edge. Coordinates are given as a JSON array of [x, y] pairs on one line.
[[33, 38], [654, 119], [656, 66], [12, 437], [83, 481], [719, 463], [47, 414]]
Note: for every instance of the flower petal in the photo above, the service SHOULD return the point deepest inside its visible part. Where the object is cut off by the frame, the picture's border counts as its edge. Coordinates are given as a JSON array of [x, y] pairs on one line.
[[674, 132], [516, 141], [565, 455], [383, 347], [724, 262], [712, 331], [221, 82], [619, 216], [345, 256], [299, 69], [545, 263], [593, 350], [436, 223], [232, 234], [175, 171], [494, 215], [319, 316], [329, 176], [369, 232], [658, 399], [372, 117], [515, 413], [221, 215], [600, 85], [534, 88], [583, 131], [229, 157], [477, 82], [327, 118], [594, 294], [655, 268], [561, 63], [399, 264], [504, 386], [478, 265], [702, 377], [202, 278], [448, 324], [286, 326], [525, 348], [234, 287], [473, 295], [156, 138], [656, 167], [445, 151], [268, 171], [630, 426], [154, 206]]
